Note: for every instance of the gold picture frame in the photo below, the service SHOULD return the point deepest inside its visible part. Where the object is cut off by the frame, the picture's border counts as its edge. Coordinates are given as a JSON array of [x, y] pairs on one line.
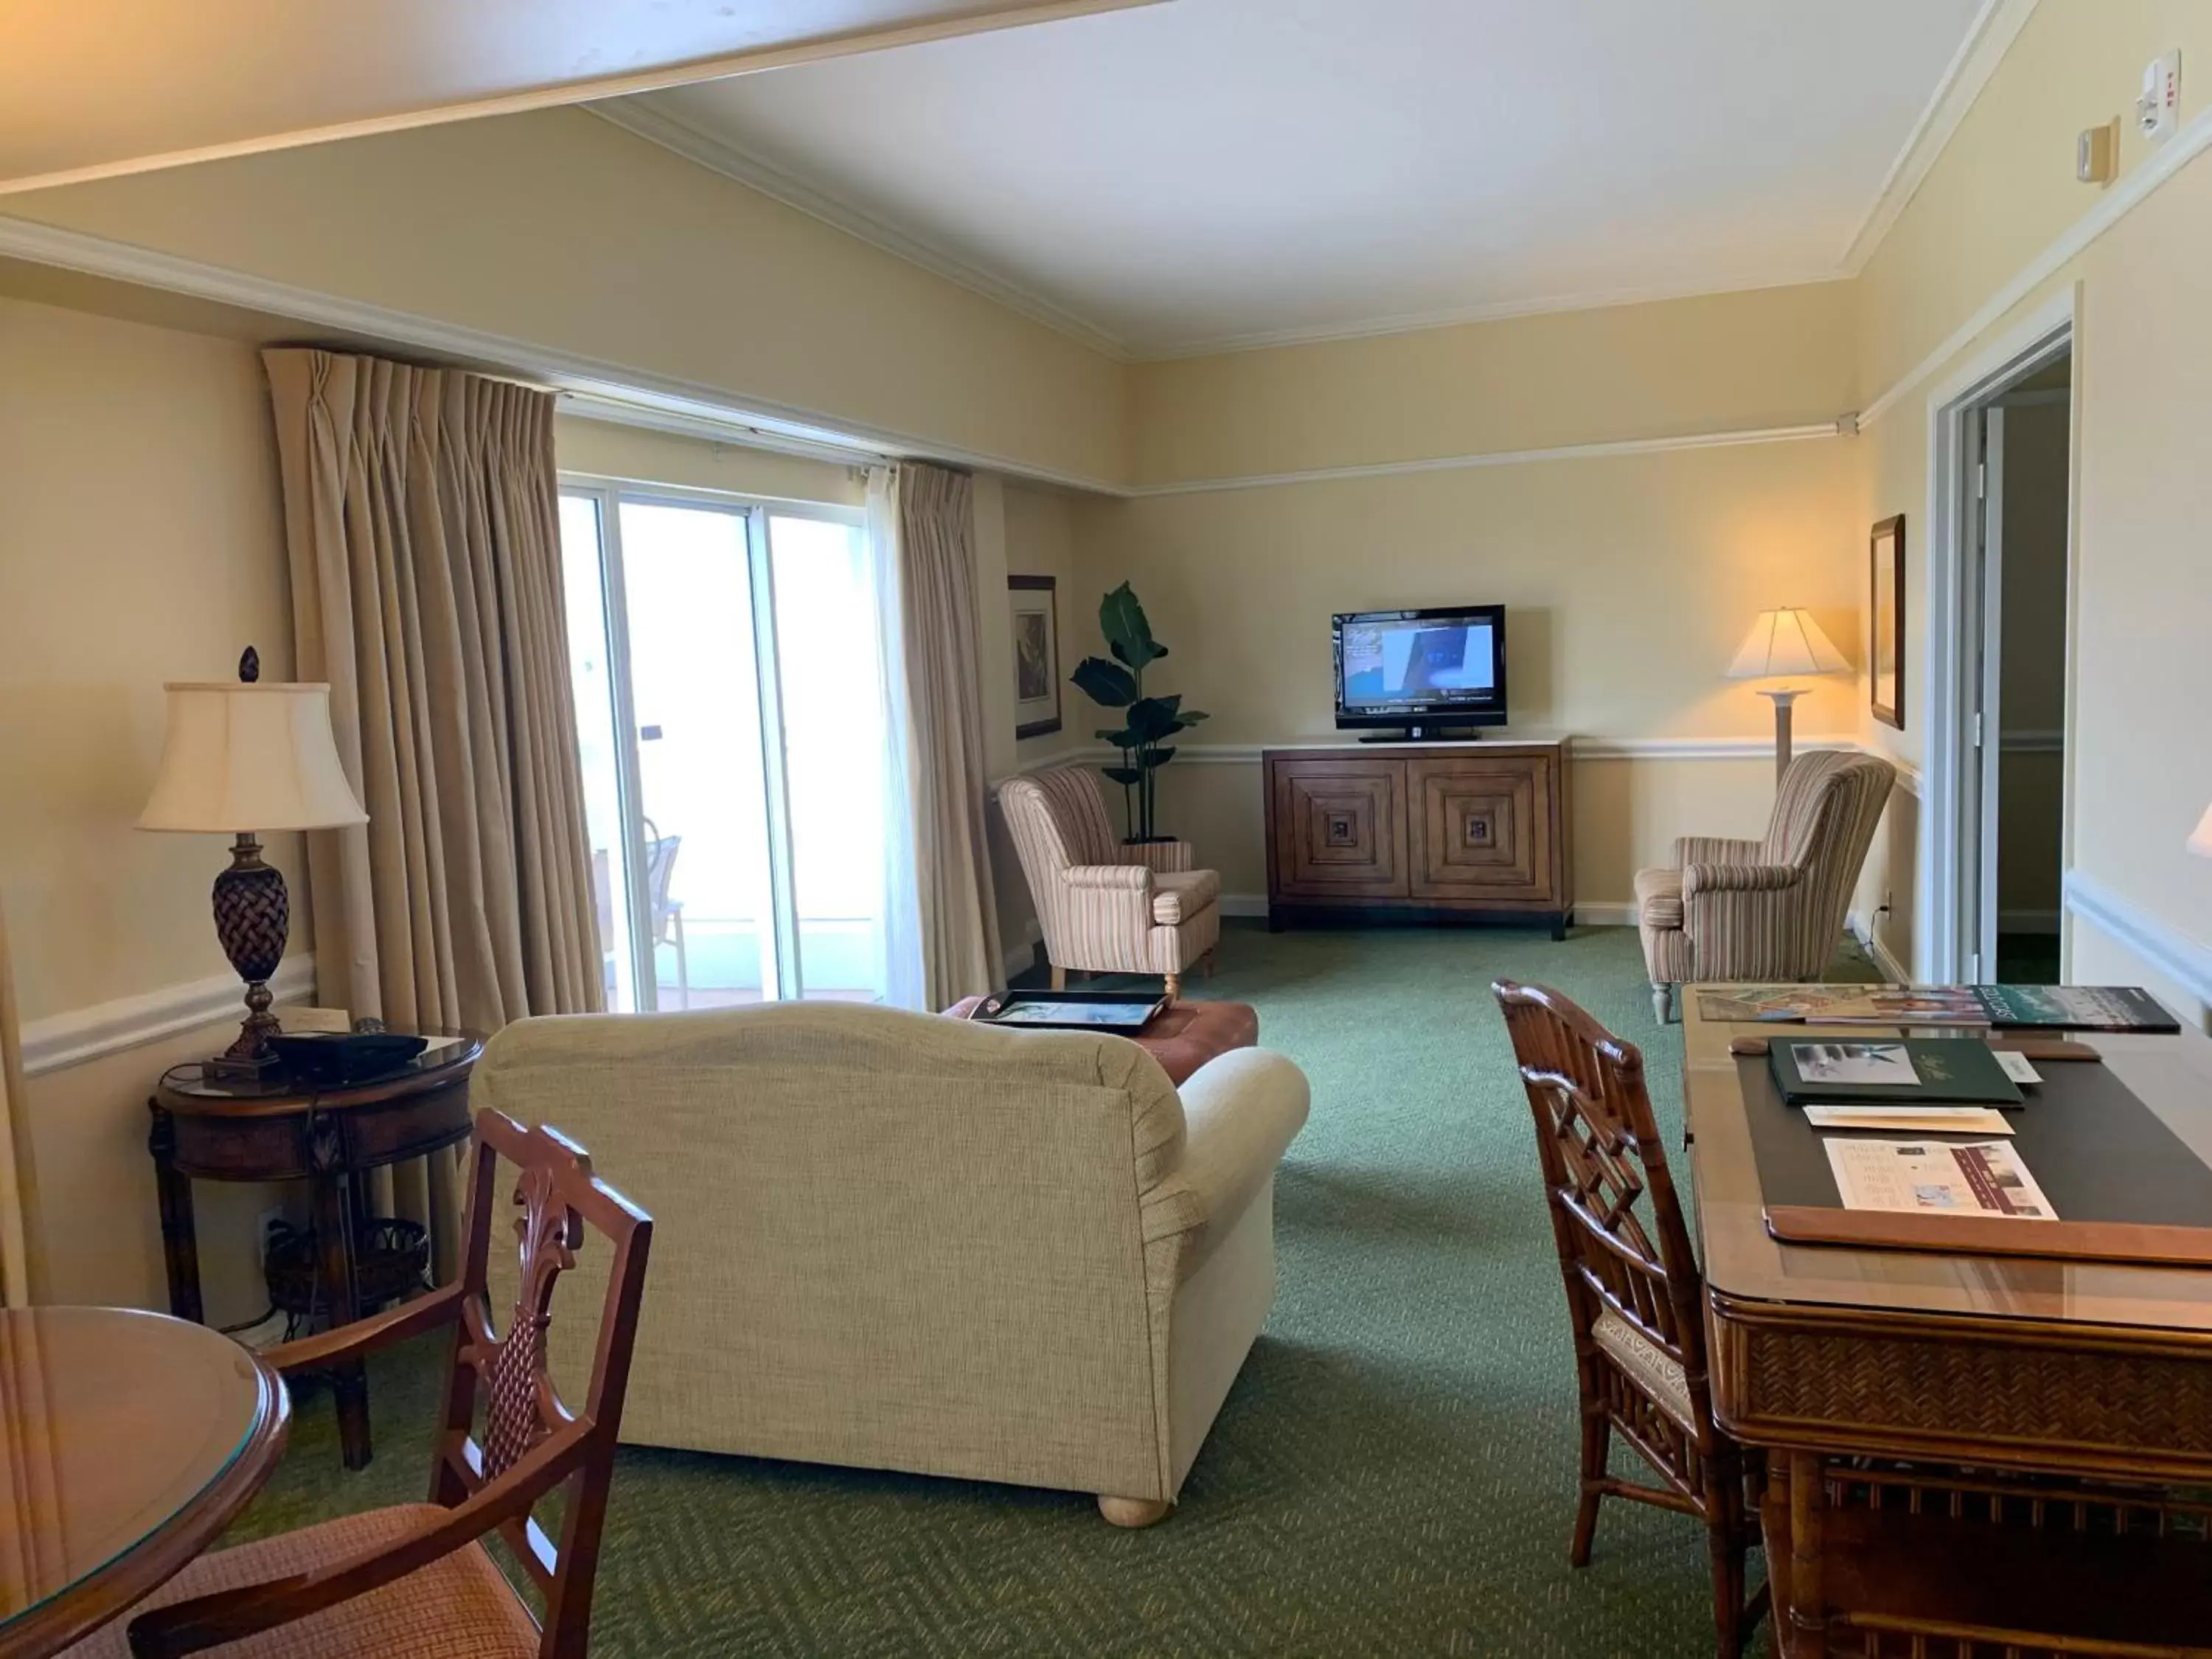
[[1885, 621], [1033, 604]]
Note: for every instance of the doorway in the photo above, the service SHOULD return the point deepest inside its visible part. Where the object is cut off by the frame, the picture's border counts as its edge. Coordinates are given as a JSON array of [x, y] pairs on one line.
[[2002, 677], [735, 715]]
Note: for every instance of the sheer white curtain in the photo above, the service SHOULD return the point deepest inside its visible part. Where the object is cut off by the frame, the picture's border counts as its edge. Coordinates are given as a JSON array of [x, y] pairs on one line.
[[901, 970]]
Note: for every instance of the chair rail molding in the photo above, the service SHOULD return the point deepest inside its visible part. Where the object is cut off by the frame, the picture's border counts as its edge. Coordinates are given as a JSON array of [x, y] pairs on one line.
[[56, 1042], [2180, 958]]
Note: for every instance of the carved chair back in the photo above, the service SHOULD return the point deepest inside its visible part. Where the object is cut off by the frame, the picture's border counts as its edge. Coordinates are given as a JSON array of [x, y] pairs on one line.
[[532, 1440], [1605, 1172]]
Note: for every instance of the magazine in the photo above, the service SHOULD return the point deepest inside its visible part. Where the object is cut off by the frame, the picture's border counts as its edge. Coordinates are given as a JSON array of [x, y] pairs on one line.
[[1747, 1003], [1918, 1071], [1911, 1119], [2018, 1007], [2076, 1007], [1975, 1177]]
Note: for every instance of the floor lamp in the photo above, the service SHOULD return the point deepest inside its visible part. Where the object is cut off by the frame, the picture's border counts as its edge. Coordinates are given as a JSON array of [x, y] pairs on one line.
[[2201, 842], [1781, 645]]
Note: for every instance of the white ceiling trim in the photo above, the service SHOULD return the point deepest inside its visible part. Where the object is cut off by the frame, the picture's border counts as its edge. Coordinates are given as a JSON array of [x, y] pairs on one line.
[[719, 155], [611, 383], [1842, 427], [1991, 36], [976, 21]]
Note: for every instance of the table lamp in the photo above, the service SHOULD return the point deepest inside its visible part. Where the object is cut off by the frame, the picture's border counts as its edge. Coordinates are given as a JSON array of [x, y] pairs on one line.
[[240, 759], [1782, 643]]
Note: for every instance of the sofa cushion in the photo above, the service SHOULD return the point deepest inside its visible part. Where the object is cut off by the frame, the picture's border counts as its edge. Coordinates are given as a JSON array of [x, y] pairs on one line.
[[1659, 898], [1179, 895]]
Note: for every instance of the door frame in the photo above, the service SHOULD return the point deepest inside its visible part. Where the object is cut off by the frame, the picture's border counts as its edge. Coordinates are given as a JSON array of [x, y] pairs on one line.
[[1962, 651]]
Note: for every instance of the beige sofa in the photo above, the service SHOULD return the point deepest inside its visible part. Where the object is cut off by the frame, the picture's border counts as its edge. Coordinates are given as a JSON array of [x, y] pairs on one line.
[[898, 1240]]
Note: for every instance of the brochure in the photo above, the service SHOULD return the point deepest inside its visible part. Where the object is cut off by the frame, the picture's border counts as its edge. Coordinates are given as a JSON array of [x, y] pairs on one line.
[[1975, 1177], [1918, 1070], [1747, 1003], [2014, 1008], [2076, 1008], [1911, 1119]]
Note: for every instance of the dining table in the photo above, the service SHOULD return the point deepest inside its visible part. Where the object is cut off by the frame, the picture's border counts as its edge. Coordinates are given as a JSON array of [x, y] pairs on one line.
[[128, 1442], [2012, 1374]]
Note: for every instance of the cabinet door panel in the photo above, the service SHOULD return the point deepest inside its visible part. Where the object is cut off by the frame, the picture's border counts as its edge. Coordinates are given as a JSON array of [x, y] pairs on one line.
[[1340, 829], [1482, 830]]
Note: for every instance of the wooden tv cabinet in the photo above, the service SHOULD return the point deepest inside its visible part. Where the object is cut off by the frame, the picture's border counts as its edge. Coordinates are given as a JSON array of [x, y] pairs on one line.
[[1376, 834]]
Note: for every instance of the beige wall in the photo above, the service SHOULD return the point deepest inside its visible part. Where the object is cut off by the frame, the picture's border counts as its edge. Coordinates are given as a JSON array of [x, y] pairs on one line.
[[141, 539], [639, 455], [2002, 191], [563, 232]]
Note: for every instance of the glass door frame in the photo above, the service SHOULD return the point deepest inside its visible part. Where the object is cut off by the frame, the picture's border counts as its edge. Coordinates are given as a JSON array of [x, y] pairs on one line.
[[781, 977]]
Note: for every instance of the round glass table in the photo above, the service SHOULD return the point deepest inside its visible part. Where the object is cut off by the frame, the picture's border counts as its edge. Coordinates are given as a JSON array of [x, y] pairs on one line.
[[130, 1441]]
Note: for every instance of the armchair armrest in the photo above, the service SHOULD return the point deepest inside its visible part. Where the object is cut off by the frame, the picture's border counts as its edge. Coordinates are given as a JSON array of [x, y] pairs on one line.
[[350, 1342], [1127, 877], [1717, 849], [1738, 878], [1162, 856], [1241, 1112]]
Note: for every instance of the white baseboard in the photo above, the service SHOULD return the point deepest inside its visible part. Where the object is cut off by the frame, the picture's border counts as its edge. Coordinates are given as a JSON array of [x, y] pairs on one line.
[[60, 1040], [1606, 914], [1883, 957], [2175, 955]]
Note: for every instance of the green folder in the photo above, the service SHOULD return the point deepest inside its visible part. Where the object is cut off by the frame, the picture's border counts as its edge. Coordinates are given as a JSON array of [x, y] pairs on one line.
[[1931, 1071]]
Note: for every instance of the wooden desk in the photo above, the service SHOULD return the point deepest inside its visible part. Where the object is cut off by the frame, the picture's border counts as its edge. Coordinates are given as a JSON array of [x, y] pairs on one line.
[[211, 1128], [2093, 1369], [132, 1441]]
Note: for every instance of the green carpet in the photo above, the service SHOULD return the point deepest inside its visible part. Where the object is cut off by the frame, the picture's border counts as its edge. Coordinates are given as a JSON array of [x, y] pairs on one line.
[[1394, 1472]]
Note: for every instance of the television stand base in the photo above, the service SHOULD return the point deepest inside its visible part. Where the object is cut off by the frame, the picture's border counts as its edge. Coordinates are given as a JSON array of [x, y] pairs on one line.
[[1422, 734]]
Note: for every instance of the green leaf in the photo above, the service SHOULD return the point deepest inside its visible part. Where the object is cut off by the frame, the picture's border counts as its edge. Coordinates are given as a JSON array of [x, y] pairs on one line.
[[1124, 739], [1192, 716], [1107, 683], [1128, 635], [1152, 758], [1154, 718], [1124, 775]]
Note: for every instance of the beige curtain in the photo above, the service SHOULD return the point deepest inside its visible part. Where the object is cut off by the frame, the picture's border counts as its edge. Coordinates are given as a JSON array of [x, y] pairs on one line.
[[945, 689], [19, 1273], [423, 512]]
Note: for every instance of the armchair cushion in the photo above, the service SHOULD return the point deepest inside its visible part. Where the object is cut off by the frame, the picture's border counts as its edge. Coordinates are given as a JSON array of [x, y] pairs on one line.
[[1178, 896], [458, 1607]]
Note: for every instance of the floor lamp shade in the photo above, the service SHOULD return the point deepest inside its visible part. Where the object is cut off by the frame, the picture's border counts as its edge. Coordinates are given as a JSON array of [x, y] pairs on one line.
[[2201, 842], [1782, 643], [240, 759]]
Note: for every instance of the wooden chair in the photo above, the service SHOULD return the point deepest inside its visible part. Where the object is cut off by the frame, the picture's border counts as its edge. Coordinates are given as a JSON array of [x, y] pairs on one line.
[[415, 1579], [1637, 1303]]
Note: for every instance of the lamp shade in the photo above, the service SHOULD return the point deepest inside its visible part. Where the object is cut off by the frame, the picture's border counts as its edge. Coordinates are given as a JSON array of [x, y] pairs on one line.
[[248, 758], [2201, 842], [1785, 642]]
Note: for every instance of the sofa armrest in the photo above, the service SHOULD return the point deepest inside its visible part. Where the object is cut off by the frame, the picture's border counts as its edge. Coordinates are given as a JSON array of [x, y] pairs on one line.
[[1241, 1112], [1717, 849], [1162, 857]]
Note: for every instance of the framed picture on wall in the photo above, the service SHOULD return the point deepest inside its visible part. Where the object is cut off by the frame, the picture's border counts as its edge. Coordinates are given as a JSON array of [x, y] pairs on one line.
[[1034, 601], [1886, 612]]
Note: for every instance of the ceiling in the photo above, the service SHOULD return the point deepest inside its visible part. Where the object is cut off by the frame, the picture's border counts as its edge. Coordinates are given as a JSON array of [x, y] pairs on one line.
[[92, 87], [1215, 174]]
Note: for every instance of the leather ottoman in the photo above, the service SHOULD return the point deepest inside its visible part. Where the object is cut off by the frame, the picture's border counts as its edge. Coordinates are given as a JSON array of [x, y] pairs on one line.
[[1185, 1035]]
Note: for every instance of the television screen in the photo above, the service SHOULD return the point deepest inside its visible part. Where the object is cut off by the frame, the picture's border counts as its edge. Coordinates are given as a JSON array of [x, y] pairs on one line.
[[1396, 665]]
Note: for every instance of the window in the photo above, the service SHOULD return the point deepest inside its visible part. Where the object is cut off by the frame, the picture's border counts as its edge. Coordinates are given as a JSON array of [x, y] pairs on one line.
[[734, 712]]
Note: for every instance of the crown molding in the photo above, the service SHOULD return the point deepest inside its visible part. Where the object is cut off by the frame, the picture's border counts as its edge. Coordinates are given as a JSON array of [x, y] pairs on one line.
[[610, 385], [1988, 38], [971, 20], [646, 120], [1842, 427], [58, 1041]]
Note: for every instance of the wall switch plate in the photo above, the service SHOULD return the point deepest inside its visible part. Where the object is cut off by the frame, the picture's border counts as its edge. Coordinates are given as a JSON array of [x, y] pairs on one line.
[[2158, 111], [2097, 154]]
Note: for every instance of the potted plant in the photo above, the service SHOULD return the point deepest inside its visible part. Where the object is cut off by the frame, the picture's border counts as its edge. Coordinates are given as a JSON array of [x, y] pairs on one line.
[[1147, 723]]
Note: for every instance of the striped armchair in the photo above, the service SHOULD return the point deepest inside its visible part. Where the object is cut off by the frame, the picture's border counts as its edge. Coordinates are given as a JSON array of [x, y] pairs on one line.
[[1766, 909], [1107, 908]]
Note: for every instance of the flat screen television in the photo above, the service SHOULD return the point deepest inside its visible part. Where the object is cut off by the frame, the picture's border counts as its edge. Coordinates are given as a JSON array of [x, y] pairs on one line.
[[1421, 671]]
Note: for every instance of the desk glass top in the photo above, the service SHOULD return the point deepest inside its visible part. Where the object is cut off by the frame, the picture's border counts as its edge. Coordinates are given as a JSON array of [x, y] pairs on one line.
[[117, 1421], [2172, 1075]]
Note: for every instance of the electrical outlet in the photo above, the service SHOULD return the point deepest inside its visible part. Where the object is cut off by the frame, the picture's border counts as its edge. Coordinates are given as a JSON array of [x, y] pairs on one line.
[[263, 1225]]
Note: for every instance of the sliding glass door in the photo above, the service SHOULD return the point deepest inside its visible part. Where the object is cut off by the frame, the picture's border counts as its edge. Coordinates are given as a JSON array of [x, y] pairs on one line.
[[732, 715]]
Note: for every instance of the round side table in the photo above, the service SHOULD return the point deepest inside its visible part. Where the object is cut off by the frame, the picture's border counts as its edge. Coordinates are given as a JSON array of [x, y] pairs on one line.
[[208, 1128]]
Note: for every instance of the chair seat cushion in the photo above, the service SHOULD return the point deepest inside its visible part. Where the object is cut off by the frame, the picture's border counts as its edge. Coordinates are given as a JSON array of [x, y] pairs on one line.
[[458, 1607], [1645, 1363], [1179, 895], [1659, 898]]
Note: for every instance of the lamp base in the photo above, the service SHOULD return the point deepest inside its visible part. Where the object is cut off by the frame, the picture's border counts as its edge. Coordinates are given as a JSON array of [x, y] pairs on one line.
[[252, 918], [1782, 698]]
